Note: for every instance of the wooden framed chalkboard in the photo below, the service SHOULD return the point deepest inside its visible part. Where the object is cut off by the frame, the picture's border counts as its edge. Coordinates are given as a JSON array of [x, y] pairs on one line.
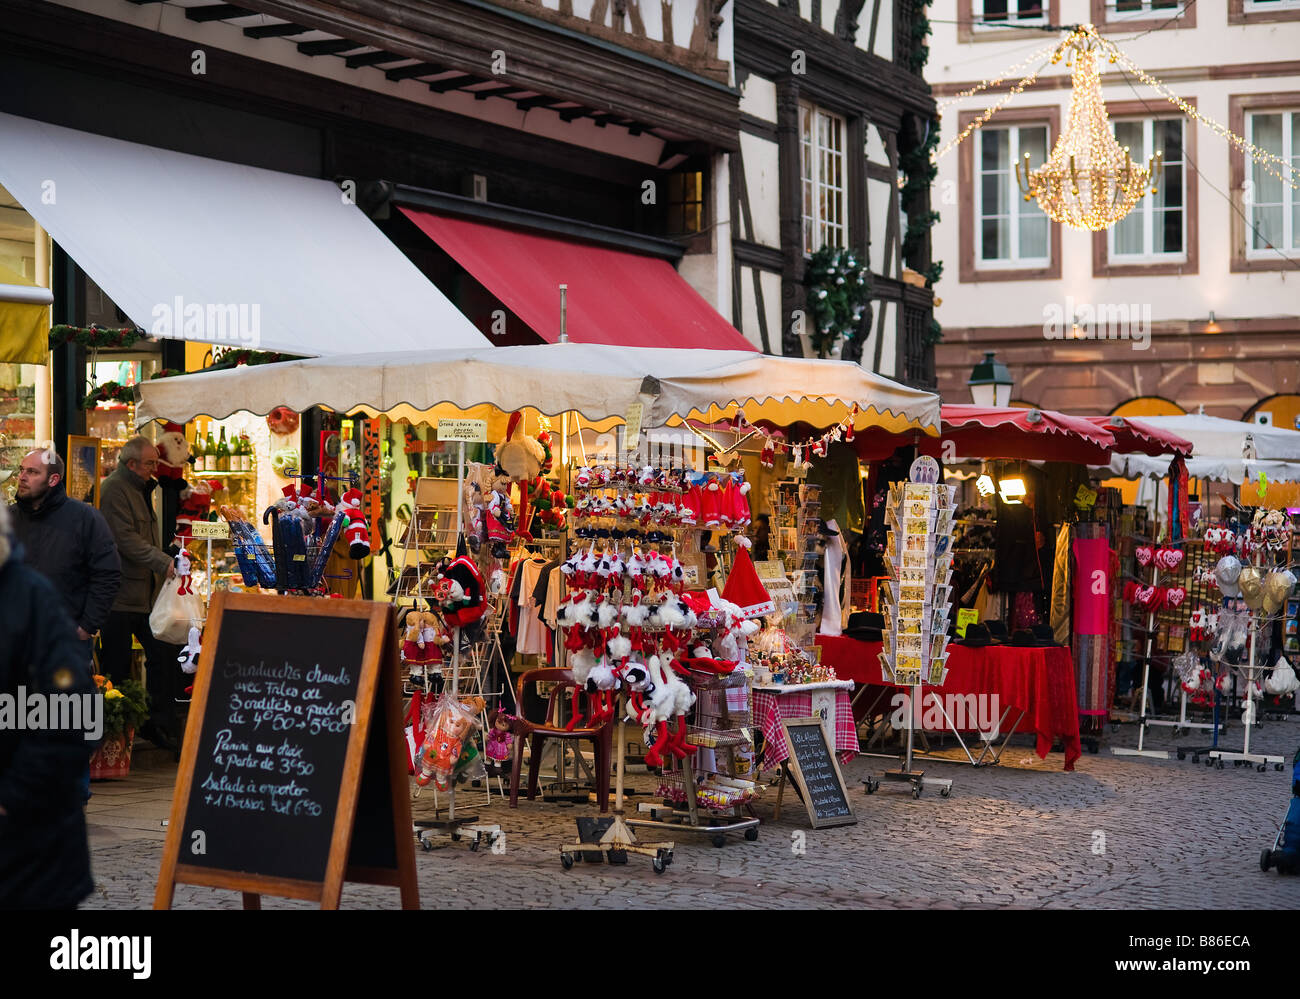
[[293, 776], [813, 765]]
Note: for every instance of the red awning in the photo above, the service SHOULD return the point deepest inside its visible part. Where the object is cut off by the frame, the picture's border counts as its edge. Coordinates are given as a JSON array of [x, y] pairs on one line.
[[1135, 437], [615, 297], [1030, 434]]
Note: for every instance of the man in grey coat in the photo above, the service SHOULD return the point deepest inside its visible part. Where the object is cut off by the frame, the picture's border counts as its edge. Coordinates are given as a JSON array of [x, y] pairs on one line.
[[126, 501]]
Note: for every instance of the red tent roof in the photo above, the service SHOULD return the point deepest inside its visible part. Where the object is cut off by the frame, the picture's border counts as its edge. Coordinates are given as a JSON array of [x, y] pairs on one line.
[[1135, 437], [1030, 434]]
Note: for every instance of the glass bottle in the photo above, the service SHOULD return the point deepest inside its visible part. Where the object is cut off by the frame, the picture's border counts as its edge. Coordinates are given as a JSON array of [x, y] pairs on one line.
[[246, 450], [200, 455], [223, 453]]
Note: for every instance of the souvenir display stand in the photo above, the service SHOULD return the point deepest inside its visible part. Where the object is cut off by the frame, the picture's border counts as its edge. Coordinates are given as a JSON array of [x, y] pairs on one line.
[[919, 560], [1259, 593], [1142, 720]]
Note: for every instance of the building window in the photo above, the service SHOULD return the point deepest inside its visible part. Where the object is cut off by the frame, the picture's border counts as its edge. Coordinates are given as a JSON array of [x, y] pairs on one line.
[[823, 172], [1001, 13], [1274, 206], [1012, 232], [1123, 10], [1157, 225], [685, 202], [1269, 6]]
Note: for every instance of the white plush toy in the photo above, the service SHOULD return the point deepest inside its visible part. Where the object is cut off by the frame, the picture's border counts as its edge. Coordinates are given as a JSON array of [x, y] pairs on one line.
[[190, 654]]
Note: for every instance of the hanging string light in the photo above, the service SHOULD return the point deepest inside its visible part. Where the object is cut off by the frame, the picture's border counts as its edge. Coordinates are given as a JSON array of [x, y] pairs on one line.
[[1040, 58], [1267, 161], [1089, 181], [988, 113]]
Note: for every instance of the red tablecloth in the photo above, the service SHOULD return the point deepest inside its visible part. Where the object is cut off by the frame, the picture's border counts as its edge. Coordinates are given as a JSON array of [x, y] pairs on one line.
[[1039, 681]]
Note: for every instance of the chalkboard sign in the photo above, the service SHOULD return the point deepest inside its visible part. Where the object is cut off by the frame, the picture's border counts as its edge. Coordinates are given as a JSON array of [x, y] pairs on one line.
[[293, 776], [814, 767]]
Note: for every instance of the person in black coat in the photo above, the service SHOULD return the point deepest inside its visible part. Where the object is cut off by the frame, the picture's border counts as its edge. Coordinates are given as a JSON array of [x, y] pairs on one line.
[[44, 853], [66, 541]]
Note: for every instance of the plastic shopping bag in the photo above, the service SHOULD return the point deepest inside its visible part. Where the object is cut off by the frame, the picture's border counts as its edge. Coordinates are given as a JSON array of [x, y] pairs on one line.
[[174, 612]]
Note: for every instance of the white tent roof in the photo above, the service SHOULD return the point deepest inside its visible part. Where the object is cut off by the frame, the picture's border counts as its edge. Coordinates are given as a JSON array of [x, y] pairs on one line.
[[1134, 466], [158, 229], [595, 380], [1220, 439]]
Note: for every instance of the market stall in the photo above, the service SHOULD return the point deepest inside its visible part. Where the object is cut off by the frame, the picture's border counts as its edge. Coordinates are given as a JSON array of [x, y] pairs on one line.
[[597, 518]]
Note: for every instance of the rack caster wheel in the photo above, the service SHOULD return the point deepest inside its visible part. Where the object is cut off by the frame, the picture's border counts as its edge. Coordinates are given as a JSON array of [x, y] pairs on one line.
[[566, 861], [1196, 757], [473, 847], [1262, 767], [718, 840], [916, 792], [1209, 762], [1220, 764], [872, 786], [1277, 766], [1265, 860], [1182, 755], [944, 792], [659, 865], [751, 834], [617, 856], [425, 845], [1114, 726]]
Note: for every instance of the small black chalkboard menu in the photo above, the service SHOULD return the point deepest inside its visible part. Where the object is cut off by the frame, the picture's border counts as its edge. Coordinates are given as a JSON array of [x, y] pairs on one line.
[[294, 741], [814, 767]]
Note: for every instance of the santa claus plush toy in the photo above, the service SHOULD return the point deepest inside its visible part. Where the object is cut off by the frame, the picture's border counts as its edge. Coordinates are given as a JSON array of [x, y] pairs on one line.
[[173, 453], [356, 531], [196, 501]]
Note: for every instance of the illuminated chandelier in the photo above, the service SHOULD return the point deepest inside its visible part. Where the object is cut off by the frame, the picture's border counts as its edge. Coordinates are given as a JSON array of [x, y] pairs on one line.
[[1089, 181]]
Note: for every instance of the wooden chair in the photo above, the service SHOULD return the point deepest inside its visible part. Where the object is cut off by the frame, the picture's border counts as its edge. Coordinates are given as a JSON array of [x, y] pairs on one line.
[[538, 725]]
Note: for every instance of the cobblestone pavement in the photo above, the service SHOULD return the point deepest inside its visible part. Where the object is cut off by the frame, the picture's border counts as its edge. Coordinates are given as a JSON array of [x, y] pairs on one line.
[[1118, 833]]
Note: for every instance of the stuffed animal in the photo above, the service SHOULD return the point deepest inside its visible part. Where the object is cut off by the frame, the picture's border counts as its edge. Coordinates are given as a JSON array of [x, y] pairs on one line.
[[425, 638], [499, 739], [446, 730], [195, 502], [356, 531], [173, 453], [190, 653]]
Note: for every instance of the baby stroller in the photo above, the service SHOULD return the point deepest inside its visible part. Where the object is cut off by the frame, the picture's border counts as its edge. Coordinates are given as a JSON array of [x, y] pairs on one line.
[[1285, 855]]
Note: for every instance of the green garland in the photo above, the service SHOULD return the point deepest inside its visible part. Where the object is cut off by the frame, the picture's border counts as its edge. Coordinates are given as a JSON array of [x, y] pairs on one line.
[[920, 52], [108, 392], [839, 291], [919, 172], [96, 337]]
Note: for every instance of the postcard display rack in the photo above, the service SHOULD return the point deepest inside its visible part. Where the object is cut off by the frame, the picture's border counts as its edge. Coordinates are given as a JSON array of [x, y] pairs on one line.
[[918, 556]]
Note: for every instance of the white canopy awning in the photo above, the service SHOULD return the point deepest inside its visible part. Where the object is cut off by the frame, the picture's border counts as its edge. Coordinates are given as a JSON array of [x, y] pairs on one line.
[[200, 249], [1225, 440], [1135, 466], [595, 380]]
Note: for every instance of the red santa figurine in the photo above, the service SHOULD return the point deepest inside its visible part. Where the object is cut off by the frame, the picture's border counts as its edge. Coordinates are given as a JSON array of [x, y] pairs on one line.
[[356, 531]]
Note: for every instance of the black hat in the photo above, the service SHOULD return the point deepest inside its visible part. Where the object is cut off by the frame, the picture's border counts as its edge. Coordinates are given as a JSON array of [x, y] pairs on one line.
[[1023, 638], [866, 626], [997, 630], [977, 636], [1045, 635]]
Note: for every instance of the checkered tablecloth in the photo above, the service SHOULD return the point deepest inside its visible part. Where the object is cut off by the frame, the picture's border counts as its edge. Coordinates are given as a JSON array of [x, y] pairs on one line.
[[773, 705]]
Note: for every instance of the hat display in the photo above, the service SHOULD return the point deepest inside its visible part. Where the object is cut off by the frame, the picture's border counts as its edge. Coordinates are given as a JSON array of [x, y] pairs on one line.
[[997, 630], [866, 626], [1023, 638], [745, 590], [1278, 585], [1227, 572], [1251, 583], [977, 636], [1045, 635]]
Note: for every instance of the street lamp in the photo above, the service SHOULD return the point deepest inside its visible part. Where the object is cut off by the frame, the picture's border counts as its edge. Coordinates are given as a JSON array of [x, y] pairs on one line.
[[990, 383]]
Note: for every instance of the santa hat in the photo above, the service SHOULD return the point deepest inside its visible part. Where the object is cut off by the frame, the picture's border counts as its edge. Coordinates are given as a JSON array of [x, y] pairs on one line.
[[173, 428], [744, 588], [465, 572]]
